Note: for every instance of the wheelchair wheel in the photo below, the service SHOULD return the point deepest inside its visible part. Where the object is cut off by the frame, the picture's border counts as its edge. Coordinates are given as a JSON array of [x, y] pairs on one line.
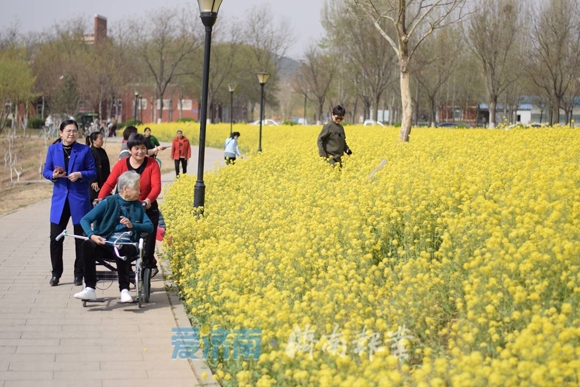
[[146, 283], [138, 285]]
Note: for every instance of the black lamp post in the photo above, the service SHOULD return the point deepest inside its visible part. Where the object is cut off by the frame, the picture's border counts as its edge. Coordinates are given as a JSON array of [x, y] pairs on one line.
[[262, 78], [232, 87], [208, 13], [135, 110]]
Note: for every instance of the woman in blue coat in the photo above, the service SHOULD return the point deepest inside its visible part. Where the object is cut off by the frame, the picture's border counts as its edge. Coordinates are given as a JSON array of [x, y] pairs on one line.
[[70, 166]]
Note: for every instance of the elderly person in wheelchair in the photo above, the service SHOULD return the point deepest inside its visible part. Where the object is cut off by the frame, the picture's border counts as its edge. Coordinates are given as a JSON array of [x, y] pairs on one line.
[[117, 219]]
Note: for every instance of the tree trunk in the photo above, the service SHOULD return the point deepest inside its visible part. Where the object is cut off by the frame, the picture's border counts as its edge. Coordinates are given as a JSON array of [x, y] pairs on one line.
[[406, 105], [160, 108], [555, 113], [432, 112], [492, 106]]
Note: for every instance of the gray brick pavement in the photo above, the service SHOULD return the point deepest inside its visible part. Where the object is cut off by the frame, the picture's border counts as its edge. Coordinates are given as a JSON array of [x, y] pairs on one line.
[[48, 339]]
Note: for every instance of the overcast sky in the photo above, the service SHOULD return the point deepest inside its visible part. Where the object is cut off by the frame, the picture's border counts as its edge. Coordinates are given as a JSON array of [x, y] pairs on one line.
[[37, 15]]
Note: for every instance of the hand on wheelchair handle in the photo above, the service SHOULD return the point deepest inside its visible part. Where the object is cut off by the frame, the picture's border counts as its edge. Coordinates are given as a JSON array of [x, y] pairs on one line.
[[99, 240]]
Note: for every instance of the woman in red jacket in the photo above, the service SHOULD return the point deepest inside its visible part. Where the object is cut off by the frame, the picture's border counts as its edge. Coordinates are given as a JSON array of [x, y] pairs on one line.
[[180, 152], [150, 187]]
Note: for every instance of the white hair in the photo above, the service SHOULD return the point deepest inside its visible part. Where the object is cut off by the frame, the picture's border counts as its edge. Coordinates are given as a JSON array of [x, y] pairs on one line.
[[129, 179]]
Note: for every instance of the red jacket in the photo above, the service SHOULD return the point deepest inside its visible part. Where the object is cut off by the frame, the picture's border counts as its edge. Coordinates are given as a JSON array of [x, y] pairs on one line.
[[150, 179], [180, 148]]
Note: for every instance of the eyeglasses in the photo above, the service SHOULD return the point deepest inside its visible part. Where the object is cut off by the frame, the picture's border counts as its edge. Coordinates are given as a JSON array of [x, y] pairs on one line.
[[339, 118], [70, 131]]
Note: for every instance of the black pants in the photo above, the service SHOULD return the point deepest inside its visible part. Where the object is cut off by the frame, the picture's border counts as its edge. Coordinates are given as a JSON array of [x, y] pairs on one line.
[[183, 165], [153, 214], [92, 251], [56, 247], [230, 160]]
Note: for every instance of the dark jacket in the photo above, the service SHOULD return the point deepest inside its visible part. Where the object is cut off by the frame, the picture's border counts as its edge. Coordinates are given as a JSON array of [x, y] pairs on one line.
[[105, 217], [332, 141], [77, 193]]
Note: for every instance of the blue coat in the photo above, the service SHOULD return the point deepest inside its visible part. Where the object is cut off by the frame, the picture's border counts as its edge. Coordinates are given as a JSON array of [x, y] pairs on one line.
[[81, 160]]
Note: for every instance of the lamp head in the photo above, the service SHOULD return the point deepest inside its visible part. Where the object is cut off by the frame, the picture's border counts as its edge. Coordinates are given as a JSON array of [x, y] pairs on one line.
[[208, 11], [263, 77], [232, 87]]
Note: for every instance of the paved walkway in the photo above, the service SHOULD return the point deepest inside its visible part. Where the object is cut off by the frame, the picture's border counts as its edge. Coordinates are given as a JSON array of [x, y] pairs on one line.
[[48, 339]]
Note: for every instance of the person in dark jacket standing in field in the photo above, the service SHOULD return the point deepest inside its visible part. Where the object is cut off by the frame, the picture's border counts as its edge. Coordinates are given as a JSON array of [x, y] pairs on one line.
[[332, 138]]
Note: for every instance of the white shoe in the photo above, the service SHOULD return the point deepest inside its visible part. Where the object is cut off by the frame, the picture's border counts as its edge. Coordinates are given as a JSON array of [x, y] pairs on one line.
[[87, 294], [126, 296]]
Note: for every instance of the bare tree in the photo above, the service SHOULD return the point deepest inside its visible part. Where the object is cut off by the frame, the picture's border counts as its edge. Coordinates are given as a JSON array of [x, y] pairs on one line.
[[266, 42], [164, 40], [315, 76], [411, 22], [494, 31], [437, 60], [224, 55], [56, 65], [555, 38]]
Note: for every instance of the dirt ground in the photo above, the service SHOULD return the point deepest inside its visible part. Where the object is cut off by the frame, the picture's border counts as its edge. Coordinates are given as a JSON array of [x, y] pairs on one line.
[[29, 153]]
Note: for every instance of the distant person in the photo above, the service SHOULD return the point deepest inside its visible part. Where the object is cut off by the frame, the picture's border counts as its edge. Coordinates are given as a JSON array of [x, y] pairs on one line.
[[332, 139], [231, 148], [95, 141], [129, 130], [180, 152], [112, 128], [70, 167], [153, 145]]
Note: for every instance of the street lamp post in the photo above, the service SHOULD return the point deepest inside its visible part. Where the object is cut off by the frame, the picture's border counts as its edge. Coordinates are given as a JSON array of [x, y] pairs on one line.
[[135, 110], [232, 87], [262, 78], [208, 13]]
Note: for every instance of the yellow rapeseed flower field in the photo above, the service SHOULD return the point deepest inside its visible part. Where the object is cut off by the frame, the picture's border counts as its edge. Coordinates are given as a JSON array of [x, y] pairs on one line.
[[450, 260]]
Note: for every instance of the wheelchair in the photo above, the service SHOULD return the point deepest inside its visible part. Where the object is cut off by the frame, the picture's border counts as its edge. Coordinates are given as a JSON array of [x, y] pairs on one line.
[[140, 274]]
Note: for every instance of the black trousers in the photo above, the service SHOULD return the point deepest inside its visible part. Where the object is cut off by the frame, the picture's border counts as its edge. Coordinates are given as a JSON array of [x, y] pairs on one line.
[[56, 247], [183, 165], [153, 214], [92, 251]]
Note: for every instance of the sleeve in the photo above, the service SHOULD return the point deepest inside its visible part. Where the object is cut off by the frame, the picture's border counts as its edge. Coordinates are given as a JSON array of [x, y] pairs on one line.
[[48, 164], [145, 224], [238, 150], [111, 182], [346, 147], [89, 171], [96, 159], [90, 218], [174, 150], [188, 153], [321, 140], [155, 177]]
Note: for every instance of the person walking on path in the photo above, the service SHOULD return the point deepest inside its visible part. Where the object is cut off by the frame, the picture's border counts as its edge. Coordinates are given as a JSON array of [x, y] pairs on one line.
[[95, 141], [109, 221], [150, 188], [231, 148], [70, 166], [180, 152], [332, 139]]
